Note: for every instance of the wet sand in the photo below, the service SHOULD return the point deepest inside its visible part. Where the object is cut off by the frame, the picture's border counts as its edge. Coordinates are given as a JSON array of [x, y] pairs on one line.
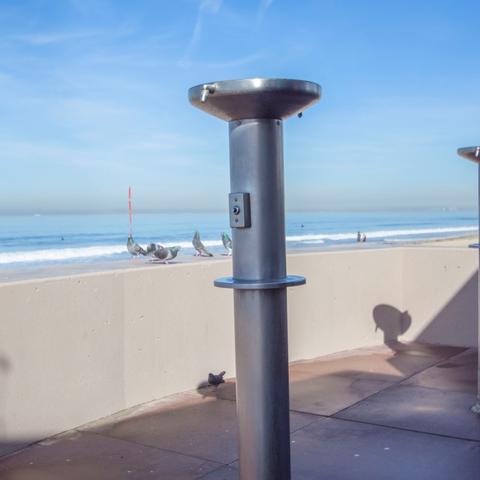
[[456, 242]]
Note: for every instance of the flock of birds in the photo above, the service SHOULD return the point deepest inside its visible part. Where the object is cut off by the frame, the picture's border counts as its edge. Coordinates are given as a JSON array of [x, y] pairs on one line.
[[163, 254]]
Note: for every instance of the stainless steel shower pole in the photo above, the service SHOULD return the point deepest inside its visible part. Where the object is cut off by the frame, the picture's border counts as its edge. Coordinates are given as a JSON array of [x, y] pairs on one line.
[[255, 109], [473, 154]]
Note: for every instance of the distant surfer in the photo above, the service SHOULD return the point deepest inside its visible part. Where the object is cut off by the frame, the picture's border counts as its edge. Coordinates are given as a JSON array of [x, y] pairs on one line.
[[359, 237], [364, 238]]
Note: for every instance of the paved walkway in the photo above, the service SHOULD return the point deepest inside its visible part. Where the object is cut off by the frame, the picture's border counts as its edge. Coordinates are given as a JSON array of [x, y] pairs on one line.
[[367, 414]]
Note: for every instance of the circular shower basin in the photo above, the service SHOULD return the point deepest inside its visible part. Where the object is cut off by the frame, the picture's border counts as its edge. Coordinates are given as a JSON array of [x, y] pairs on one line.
[[470, 153], [255, 98]]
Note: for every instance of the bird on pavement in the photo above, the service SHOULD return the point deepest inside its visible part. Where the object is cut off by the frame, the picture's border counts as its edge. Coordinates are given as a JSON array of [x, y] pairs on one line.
[[216, 379], [227, 243], [134, 248], [199, 246]]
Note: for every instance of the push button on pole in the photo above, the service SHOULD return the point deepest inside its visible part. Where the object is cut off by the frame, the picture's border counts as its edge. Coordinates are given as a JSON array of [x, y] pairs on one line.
[[239, 210]]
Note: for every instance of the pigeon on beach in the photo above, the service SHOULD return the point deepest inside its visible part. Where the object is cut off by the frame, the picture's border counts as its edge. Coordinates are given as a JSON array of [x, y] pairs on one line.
[[216, 379], [199, 246], [161, 253], [157, 252], [227, 243], [172, 252], [150, 249], [134, 248]]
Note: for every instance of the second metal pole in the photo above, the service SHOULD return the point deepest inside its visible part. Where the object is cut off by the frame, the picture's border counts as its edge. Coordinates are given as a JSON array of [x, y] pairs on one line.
[[476, 407], [473, 154]]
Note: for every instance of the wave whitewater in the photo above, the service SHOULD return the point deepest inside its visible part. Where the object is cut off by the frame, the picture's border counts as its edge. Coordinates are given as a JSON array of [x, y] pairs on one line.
[[71, 253], [320, 238]]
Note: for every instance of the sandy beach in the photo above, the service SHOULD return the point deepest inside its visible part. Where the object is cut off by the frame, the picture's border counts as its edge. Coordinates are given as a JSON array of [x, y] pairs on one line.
[[58, 270]]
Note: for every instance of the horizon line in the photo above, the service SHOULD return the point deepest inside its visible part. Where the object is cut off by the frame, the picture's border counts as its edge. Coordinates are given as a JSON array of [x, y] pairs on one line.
[[122, 211]]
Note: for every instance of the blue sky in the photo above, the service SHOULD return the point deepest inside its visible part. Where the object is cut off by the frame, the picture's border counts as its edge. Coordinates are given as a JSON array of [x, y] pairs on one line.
[[93, 98]]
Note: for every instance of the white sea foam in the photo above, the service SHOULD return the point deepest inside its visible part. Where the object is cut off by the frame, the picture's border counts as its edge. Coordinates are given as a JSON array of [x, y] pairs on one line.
[[60, 254], [63, 254], [188, 244]]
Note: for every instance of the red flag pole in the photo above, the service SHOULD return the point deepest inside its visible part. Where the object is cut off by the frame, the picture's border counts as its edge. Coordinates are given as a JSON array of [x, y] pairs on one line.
[[130, 208]]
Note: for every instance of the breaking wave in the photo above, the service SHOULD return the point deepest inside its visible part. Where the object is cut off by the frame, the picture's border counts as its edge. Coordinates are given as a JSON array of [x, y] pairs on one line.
[[60, 254]]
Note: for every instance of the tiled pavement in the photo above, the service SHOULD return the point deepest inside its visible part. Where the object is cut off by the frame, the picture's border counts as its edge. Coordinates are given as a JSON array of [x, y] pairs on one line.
[[367, 414]]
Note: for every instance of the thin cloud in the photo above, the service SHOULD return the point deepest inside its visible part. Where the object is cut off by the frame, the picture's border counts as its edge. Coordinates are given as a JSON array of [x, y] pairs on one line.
[[262, 10], [211, 7]]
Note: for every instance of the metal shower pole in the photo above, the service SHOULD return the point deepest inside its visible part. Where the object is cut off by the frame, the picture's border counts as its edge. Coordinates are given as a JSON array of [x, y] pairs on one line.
[[255, 109], [473, 154]]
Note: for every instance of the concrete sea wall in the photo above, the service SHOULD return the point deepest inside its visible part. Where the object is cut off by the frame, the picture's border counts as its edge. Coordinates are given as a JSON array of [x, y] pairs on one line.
[[77, 348]]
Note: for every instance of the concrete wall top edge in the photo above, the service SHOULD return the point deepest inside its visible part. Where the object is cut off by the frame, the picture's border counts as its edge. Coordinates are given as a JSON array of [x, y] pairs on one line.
[[50, 276]]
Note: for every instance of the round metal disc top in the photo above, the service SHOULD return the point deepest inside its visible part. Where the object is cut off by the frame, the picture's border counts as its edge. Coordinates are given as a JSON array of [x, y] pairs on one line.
[[471, 153], [255, 98]]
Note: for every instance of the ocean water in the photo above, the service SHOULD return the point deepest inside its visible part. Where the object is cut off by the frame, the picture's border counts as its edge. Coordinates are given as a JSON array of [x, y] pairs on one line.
[[40, 240]]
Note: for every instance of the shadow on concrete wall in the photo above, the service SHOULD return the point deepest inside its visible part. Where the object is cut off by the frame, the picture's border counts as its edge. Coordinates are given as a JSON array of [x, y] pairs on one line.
[[455, 323], [5, 368], [457, 320], [392, 322]]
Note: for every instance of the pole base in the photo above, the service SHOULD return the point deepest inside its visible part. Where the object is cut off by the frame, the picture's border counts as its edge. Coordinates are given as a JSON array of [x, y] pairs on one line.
[[288, 281]]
